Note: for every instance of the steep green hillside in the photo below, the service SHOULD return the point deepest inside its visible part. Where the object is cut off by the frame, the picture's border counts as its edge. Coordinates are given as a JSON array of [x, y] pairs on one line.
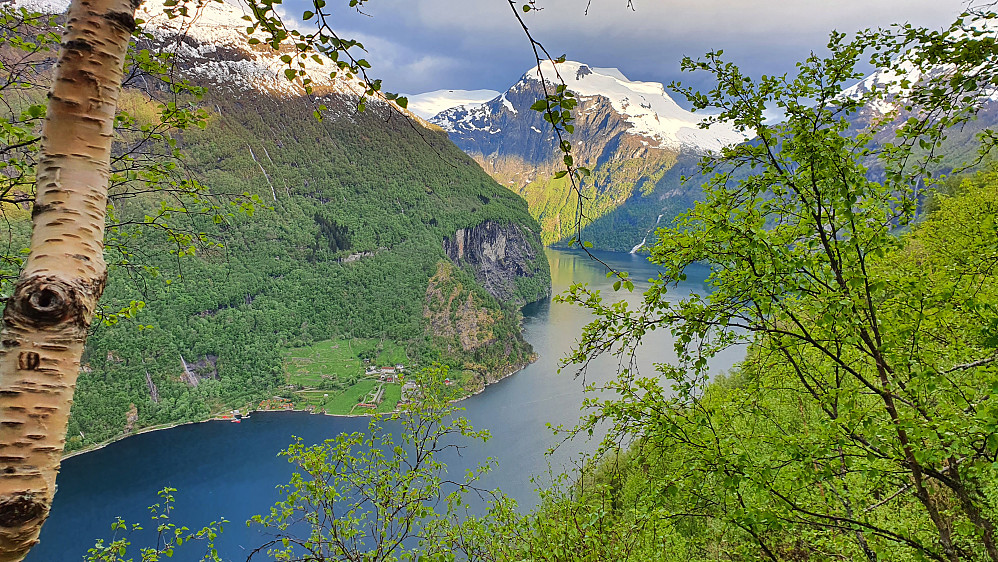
[[757, 464], [635, 186], [359, 206], [663, 197]]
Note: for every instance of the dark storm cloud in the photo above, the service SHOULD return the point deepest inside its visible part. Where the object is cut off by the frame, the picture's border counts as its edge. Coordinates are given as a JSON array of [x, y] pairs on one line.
[[422, 45]]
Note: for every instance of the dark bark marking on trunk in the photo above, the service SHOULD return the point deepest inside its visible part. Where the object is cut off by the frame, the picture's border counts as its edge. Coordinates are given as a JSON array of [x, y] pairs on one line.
[[80, 45], [39, 208], [18, 510], [28, 361], [123, 20]]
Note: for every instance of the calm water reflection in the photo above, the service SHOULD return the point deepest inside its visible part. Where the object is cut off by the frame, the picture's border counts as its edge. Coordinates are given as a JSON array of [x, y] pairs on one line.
[[230, 470]]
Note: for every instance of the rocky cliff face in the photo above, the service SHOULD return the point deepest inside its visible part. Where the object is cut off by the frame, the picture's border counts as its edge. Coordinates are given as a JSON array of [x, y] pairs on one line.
[[498, 255], [467, 306]]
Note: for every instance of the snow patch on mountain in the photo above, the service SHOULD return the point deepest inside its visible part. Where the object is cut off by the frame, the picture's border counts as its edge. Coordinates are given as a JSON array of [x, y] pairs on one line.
[[508, 105], [466, 118], [43, 6], [428, 104], [645, 105], [212, 43]]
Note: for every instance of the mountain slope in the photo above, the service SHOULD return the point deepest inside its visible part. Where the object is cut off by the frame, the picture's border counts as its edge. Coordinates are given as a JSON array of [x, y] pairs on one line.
[[631, 134], [962, 143], [357, 213]]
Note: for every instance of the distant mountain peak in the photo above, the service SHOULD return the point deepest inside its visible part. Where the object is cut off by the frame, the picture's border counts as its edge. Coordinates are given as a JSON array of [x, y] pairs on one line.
[[645, 106], [898, 81], [631, 134]]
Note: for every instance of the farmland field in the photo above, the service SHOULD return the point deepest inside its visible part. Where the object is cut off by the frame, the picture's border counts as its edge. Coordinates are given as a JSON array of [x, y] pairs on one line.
[[330, 375]]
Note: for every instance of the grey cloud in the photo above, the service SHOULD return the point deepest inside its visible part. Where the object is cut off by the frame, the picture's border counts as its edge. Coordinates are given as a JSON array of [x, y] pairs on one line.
[[470, 44]]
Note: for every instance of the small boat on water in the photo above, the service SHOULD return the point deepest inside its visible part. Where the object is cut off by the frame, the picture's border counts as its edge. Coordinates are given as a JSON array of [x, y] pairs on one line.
[[236, 421]]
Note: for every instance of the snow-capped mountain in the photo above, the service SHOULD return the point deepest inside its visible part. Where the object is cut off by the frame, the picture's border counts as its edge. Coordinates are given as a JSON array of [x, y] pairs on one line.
[[212, 44], [896, 83], [888, 111], [887, 81], [645, 107], [428, 104], [631, 134]]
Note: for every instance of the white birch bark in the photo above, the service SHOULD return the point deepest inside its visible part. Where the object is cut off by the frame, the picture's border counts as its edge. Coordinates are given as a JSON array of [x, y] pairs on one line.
[[45, 321]]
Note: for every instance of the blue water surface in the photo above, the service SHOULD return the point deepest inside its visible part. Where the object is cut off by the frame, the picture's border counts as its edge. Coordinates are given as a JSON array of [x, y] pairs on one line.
[[230, 470]]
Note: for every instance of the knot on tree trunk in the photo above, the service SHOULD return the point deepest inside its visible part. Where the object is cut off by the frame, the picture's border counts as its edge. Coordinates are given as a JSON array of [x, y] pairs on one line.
[[19, 509], [45, 301]]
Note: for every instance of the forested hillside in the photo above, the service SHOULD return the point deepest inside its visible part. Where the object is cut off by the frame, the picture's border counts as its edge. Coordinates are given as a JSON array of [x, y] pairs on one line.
[[342, 226], [772, 462], [363, 205]]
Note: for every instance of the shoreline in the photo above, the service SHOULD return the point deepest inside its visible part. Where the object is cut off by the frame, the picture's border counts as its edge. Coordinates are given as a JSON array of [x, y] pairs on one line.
[[515, 370], [154, 428], [162, 427]]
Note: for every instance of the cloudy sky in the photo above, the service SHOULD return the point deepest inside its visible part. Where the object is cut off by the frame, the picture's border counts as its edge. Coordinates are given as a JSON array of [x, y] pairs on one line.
[[422, 45]]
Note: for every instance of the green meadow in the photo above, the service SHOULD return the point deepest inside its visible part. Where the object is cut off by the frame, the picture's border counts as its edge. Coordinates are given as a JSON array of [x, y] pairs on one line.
[[329, 376]]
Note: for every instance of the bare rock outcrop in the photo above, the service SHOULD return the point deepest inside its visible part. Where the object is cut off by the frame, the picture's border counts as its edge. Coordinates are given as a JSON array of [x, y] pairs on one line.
[[497, 254]]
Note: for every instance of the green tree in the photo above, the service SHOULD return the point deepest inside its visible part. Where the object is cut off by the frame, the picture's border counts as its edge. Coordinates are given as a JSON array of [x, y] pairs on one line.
[[170, 538], [385, 495], [861, 423]]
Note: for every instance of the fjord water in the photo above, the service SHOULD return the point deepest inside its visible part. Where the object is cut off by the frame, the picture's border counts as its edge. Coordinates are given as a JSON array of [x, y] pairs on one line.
[[230, 470]]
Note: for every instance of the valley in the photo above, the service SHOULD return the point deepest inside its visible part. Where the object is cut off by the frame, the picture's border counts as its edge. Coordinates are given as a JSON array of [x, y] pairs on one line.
[[637, 141]]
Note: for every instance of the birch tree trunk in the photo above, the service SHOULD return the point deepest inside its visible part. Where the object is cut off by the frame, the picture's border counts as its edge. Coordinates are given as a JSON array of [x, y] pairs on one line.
[[46, 320]]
